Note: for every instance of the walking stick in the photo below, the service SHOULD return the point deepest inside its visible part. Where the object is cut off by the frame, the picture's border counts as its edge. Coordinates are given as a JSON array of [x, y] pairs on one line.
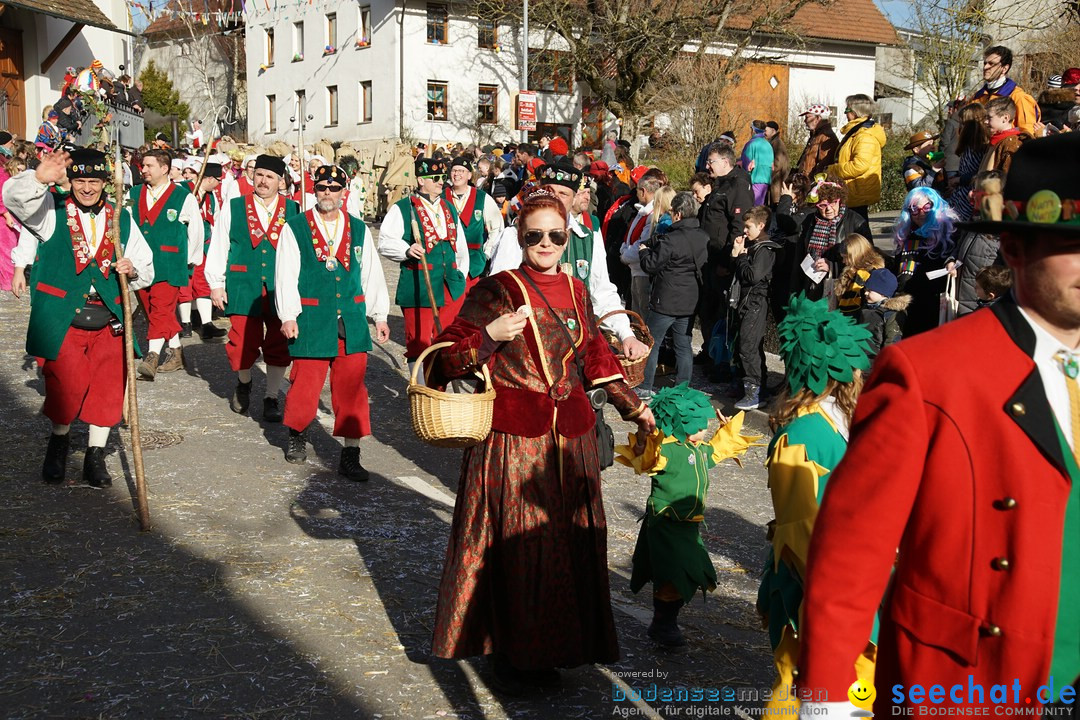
[[142, 506], [427, 276]]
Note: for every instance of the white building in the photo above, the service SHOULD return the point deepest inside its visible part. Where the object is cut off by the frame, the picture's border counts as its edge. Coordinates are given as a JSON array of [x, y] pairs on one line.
[[40, 39], [375, 69], [199, 45]]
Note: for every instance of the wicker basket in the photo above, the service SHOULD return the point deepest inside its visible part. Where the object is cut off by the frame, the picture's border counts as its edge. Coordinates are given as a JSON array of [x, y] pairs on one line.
[[450, 420], [633, 370]]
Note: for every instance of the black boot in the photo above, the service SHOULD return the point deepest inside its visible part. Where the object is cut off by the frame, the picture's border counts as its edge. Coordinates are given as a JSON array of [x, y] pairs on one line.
[[52, 470], [272, 410], [350, 466], [94, 472], [296, 453], [241, 397], [185, 330], [212, 333], [665, 628]]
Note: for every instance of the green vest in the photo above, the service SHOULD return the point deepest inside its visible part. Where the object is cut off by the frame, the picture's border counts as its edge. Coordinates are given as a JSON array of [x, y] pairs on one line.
[[578, 258], [249, 268], [475, 234], [325, 295], [442, 266], [167, 237], [56, 292], [1065, 662]]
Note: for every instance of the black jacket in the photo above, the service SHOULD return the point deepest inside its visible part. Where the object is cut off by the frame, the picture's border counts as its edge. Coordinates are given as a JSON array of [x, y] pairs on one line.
[[849, 224], [722, 213], [674, 262], [883, 322], [753, 273]]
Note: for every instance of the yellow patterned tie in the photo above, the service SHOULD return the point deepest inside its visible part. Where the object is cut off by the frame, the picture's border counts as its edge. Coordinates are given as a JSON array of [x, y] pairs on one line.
[[1071, 368]]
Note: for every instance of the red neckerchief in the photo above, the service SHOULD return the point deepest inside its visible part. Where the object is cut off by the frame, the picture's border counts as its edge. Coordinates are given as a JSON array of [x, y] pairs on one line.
[[466, 213], [208, 206], [322, 246], [999, 136], [255, 228], [431, 239], [586, 220], [81, 246], [635, 233], [151, 215]]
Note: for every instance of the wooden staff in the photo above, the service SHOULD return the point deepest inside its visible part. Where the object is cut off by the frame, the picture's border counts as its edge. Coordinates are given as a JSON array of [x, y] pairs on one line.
[[142, 505], [427, 275], [202, 171]]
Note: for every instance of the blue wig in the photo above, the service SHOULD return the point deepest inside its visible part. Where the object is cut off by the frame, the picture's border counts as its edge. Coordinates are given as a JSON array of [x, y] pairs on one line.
[[935, 234]]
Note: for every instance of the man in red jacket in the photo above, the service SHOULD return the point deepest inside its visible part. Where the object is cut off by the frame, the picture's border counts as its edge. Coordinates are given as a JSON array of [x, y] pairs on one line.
[[959, 489]]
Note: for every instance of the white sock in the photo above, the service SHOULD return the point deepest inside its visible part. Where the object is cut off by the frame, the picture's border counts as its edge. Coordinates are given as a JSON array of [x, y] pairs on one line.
[[244, 376], [156, 344], [185, 312], [60, 429], [205, 308], [98, 436], [274, 375], [351, 442], [174, 341]]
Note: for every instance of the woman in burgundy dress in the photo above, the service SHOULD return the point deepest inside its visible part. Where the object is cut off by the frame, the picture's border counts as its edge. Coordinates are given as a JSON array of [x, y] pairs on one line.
[[526, 578]]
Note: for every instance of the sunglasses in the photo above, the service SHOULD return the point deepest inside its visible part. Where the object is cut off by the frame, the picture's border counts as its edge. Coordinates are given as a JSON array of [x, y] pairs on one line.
[[921, 209], [534, 237], [324, 187]]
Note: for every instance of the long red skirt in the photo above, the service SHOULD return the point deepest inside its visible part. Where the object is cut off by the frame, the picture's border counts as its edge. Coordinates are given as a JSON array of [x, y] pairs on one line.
[[526, 568]]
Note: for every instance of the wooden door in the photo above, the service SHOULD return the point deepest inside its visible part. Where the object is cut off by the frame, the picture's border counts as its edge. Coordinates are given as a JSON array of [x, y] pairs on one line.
[[761, 93], [12, 96]]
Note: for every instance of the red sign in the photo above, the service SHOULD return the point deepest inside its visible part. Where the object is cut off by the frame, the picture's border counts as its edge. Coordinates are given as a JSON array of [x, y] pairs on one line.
[[526, 110]]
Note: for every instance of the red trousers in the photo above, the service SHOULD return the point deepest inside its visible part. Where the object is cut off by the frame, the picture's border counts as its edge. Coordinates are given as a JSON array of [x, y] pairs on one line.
[[159, 301], [420, 323], [86, 380], [348, 393], [197, 288], [250, 334]]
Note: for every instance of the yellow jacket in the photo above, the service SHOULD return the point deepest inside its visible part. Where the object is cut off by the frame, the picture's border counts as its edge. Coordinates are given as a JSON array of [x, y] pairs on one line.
[[858, 162], [1027, 110]]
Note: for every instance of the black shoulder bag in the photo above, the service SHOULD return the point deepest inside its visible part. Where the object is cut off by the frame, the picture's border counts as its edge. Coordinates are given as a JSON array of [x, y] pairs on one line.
[[605, 437]]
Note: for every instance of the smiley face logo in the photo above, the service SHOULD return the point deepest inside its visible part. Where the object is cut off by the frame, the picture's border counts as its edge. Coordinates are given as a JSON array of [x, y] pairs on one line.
[[862, 694]]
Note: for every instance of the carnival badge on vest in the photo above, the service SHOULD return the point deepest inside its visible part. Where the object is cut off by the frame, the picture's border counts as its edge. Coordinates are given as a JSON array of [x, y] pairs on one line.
[[171, 214], [582, 267]]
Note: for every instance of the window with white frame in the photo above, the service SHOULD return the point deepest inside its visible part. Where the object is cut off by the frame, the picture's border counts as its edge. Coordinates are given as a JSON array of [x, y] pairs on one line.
[[437, 108], [363, 26], [438, 18], [331, 34], [331, 105], [365, 101], [487, 104], [298, 41]]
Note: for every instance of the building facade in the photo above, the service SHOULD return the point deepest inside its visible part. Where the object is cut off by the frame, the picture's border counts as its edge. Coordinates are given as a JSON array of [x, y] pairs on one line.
[[40, 39], [377, 69]]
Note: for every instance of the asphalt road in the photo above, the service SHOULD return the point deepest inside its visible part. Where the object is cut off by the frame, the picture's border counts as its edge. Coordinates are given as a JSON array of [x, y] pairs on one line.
[[267, 590]]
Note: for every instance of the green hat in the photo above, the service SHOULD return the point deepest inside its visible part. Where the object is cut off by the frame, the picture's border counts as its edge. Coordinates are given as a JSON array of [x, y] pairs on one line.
[[681, 411], [817, 344]]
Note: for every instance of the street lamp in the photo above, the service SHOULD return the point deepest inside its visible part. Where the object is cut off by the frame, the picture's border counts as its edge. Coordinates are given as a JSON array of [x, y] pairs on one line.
[[301, 102]]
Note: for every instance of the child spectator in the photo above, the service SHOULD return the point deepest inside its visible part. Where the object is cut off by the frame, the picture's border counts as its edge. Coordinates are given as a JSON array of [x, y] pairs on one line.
[[879, 312], [1006, 138], [860, 259], [921, 168], [991, 283], [669, 552], [674, 262], [754, 256]]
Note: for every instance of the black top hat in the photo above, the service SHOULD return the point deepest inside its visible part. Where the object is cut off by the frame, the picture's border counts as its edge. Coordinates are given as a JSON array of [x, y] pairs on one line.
[[1041, 192]]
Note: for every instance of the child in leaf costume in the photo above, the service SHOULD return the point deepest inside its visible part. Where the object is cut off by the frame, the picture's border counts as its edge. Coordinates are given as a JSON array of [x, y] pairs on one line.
[[825, 354], [669, 550]]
